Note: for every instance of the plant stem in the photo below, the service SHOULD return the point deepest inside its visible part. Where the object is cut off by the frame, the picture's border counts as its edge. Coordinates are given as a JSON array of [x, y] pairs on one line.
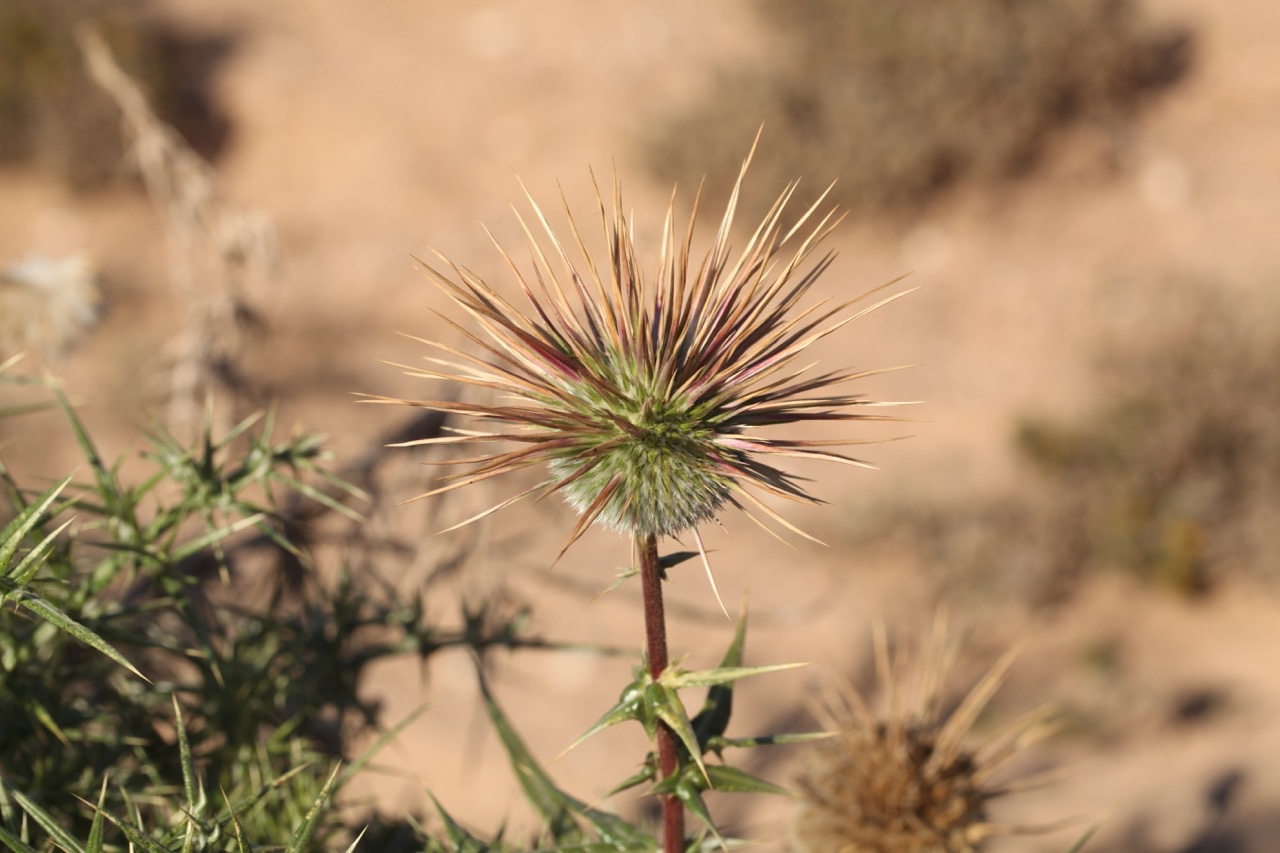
[[655, 634]]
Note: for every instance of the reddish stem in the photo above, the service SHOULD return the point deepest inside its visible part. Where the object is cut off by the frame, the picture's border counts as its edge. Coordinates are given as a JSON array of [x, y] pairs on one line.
[[655, 634]]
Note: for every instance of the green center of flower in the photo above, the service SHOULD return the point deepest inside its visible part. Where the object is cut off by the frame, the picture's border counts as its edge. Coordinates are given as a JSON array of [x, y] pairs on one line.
[[664, 463]]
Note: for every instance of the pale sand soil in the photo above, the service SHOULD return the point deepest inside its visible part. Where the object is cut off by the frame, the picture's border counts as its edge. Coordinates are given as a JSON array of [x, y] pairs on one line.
[[370, 132]]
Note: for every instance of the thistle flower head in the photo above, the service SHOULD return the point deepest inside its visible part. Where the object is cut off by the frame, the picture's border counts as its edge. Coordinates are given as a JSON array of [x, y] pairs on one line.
[[904, 779], [643, 391]]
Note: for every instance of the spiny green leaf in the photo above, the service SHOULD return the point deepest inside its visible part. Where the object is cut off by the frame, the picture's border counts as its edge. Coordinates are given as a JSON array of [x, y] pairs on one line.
[[94, 844], [688, 790], [133, 808], [302, 835], [323, 499], [241, 845], [24, 522], [664, 703], [664, 563], [47, 822], [735, 781], [107, 486], [215, 536], [718, 744], [713, 719], [645, 774], [623, 576], [42, 715], [53, 615], [677, 679], [241, 428], [538, 787], [8, 813], [692, 799], [462, 841], [191, 784], [25, 570], [675, 558], [374, 748], [630, 706], [14, 843], [136, 837], [557, 807]]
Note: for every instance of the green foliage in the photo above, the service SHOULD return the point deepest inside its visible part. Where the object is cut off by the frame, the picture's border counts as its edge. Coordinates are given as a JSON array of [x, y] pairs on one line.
[[569, 824], [149, 701], [900, 101], [245, 692], [52, 114], [649, 702], [15, 582], [566, 818], [121, 578]]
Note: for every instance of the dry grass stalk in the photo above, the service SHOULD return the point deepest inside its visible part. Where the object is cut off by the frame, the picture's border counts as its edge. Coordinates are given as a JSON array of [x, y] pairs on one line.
[[218, 254]]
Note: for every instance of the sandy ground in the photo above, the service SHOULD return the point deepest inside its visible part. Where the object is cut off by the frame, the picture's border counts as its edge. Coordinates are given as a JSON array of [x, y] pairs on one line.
[[370, 132]]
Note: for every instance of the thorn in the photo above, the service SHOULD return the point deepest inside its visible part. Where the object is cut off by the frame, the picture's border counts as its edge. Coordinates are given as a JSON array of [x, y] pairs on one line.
[[706, 564]]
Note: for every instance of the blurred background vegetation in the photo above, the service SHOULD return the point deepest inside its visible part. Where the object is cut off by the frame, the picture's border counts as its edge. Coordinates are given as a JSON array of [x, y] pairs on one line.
[[1169, 476], [900, 102], [54, 117]]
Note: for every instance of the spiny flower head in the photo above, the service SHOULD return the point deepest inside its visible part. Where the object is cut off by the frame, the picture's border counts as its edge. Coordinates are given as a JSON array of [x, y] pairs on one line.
[[905, 780], [643, 393]]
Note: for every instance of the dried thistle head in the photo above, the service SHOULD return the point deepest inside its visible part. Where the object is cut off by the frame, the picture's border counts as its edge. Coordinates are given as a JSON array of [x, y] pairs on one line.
[[643, 392], [906, 780]]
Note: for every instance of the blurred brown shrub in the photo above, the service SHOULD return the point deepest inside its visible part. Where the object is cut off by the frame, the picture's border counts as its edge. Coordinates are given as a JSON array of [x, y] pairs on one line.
[[1171, 476], [53, 116], [901, 100], [1175, 476]]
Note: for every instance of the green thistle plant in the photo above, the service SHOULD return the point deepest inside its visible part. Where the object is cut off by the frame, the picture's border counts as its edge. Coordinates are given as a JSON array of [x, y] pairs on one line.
[[644, 396]]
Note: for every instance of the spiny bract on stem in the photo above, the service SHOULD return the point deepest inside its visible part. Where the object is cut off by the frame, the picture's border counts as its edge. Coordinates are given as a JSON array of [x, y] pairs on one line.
[[644, 397]]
